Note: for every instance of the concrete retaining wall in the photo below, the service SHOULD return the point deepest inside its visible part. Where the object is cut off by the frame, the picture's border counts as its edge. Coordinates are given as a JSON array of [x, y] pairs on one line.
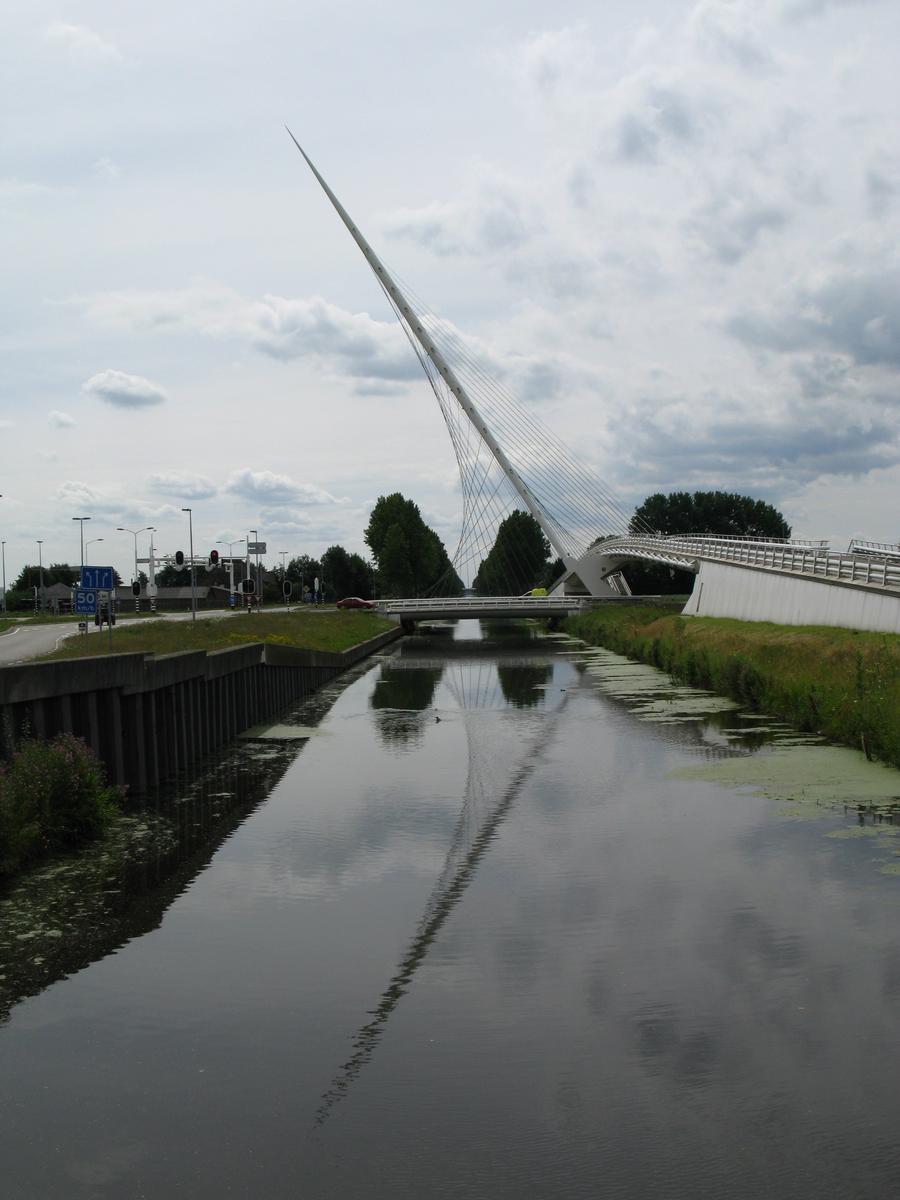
[[150, 718], [761, 594]]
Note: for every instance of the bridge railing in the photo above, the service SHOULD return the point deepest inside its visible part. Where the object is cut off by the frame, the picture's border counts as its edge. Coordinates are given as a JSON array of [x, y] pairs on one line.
[[808, 558], [540, 605], [886, 549]]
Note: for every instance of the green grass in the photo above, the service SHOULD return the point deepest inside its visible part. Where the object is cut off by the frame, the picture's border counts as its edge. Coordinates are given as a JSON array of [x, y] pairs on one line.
[[306, 629], [53, 797], [842, 683]]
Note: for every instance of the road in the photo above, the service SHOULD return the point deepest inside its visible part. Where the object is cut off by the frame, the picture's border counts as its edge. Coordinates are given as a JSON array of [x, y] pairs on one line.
[[31, 641]]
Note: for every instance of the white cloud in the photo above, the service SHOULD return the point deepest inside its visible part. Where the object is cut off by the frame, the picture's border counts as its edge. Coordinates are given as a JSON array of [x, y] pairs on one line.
[[351, 344], [21, 189], [82, 44], [183, 486], [105, 168], [60, 420], [491, 217], [265, 487], [124, 391], [4, 424], [81, 497], [799, 10]]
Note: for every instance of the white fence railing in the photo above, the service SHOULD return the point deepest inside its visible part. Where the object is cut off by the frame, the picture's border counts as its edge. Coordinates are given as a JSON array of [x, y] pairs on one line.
[[806, 558], [539, 605]]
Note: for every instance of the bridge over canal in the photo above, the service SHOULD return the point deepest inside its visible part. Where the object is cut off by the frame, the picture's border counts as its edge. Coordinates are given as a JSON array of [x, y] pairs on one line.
[[509, 460]]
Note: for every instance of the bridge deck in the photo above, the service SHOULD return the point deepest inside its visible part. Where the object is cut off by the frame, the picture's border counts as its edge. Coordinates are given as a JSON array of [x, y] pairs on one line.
[[450, 607]]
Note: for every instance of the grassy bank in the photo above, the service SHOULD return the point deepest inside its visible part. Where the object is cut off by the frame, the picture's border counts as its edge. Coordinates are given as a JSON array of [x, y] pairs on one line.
[[308, 630], [839, 682]]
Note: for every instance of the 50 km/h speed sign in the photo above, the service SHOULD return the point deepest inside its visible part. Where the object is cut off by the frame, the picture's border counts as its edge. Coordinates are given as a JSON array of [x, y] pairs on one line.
[[85, 601]]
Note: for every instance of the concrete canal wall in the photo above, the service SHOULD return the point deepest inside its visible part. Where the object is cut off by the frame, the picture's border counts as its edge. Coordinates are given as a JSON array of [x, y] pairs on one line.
[[149, 718]]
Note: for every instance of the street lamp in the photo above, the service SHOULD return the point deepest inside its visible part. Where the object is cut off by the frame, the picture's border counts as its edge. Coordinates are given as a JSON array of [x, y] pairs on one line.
[[284, 579], [91, 542], [190, 513], [225, 542], [259, 598], [40, 543], [134, 533], [81, 527]]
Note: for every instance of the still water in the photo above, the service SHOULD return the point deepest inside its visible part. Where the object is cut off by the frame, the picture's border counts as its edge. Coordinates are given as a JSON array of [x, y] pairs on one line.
[[509, 918]]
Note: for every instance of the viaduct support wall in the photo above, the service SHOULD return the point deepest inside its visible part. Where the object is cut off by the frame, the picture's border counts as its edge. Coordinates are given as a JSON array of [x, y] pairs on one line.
[[151, 718], [749, 593]]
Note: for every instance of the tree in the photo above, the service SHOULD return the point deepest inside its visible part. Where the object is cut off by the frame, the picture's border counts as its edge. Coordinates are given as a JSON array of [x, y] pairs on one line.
[[411, 557], [517, 561], [346, 574], [29, 576], [710, 513], [723, 513], [302, 571]]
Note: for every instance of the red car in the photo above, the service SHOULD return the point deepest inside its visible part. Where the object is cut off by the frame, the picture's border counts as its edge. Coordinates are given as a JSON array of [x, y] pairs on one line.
[[355, 602]]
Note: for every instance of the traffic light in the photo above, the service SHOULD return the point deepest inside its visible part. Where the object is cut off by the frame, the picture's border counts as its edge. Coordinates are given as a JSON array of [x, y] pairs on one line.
[[248, 586], [136, 588], [213, 558], [179, 558], [286, 587]]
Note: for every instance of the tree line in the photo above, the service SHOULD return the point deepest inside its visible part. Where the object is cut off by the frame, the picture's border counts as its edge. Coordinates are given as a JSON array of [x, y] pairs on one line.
[[409, 559]]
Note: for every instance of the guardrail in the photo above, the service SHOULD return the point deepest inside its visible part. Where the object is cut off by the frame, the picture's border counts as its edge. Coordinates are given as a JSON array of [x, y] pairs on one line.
[[805, 558], [492, 604]]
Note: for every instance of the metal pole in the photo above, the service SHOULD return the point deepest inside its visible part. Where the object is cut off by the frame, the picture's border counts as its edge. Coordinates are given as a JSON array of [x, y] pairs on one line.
[[81, 521], [151, 573], [40, 575], [191, 538], [3, 559], [255, 533], [283, 554]]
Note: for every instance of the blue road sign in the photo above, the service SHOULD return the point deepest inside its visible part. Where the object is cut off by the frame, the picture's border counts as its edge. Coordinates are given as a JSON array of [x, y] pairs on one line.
[[99, 579], [85, 601]]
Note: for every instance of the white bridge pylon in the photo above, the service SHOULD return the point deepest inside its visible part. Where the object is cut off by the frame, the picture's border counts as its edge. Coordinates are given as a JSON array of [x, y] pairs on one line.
[[507, 459], [501, 447]]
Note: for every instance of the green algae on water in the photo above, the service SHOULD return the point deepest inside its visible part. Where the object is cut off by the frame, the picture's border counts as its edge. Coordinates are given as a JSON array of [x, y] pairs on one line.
[[809, 777]]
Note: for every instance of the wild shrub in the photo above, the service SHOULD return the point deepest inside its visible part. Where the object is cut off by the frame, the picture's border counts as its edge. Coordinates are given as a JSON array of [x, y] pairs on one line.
[[53, 797]]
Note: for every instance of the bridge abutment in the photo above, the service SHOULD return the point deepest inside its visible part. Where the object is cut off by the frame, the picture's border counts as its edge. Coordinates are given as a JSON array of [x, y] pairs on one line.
[[750, 593]]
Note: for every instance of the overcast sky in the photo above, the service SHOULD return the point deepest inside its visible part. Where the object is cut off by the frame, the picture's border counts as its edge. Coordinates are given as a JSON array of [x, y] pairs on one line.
[[671, 225]]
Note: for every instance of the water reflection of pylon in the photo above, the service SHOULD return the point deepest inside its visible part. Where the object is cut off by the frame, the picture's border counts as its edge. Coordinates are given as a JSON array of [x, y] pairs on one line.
[[500, 762]]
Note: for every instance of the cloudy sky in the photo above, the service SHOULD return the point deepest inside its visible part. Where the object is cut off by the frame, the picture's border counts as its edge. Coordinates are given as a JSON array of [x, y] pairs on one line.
[[672, 225]]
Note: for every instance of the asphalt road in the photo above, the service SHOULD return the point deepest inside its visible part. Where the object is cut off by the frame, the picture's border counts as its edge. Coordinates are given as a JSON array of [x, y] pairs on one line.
[[31, 641]]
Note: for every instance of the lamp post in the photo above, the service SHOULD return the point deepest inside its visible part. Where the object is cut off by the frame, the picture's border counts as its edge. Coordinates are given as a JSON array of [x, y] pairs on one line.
[[3, 560], [81, 527], [255, 533], [223, 542], [40, 543], [134, 533], [151, 571], [284, 593], [190, 514]]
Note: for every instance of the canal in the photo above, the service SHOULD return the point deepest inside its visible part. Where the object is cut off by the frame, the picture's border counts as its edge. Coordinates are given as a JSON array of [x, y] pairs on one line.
[[494, 915]]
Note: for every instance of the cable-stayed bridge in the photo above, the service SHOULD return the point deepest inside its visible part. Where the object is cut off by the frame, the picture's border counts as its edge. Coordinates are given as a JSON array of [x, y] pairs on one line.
[[509, 460]]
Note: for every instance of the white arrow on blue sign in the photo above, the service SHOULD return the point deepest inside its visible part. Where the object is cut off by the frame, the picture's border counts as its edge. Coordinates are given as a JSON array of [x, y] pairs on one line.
[[99, 579]]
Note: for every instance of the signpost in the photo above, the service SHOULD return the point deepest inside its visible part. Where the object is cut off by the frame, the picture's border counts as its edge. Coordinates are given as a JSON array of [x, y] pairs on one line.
[[85, 601], [98, 579], [97, 588]]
